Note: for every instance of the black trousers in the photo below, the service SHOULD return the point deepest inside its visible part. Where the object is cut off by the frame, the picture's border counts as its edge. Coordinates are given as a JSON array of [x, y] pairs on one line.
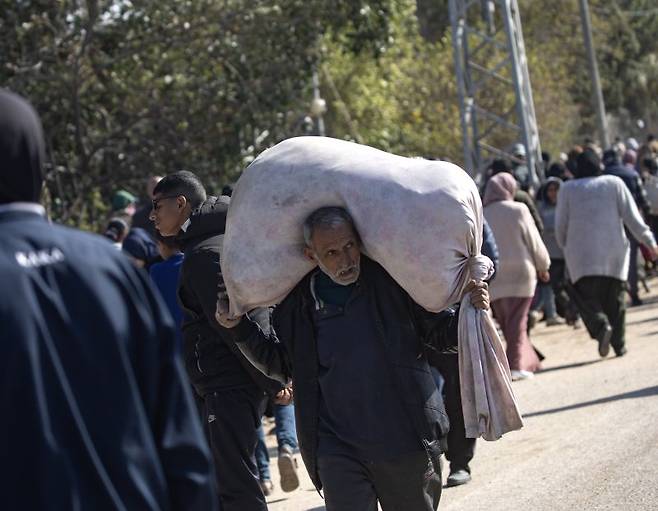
[[232, 419], [409, 483], [460, 449], [602, 301], [564, 305]]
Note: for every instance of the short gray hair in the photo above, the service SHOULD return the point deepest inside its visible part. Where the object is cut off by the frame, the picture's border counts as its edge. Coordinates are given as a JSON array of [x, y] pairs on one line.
[[328, 217]]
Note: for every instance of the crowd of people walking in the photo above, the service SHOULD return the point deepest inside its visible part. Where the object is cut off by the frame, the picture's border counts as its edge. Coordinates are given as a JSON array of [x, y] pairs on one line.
[[575, 247], [149, 395]]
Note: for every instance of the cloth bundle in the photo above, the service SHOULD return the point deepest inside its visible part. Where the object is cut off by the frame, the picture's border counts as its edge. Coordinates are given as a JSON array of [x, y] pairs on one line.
[[488, 403], [421, 220]]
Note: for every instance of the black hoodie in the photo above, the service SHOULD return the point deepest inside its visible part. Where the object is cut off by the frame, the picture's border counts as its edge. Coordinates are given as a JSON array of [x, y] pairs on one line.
[[212, 360], [95, 408], [21, 150]]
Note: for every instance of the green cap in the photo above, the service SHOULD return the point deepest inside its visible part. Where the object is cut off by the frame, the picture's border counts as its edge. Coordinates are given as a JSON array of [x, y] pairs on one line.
[[122, 199]]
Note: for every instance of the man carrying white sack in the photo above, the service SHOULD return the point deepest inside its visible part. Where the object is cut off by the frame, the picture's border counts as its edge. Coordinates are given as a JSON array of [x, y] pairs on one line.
[[370, 420]]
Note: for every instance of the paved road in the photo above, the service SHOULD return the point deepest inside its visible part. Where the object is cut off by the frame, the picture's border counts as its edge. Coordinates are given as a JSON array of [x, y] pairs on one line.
[[590, 439]]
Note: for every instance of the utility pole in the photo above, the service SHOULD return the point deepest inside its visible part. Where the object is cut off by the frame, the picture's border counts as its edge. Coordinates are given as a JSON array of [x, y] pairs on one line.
[[597, 94], [489, 54]]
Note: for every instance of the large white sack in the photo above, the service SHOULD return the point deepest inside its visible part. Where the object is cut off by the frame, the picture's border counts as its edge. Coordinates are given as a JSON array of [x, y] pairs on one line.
[[416, 218], [421, 220]]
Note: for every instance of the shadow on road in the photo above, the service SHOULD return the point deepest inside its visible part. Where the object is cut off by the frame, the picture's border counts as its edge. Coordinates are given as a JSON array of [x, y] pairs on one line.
[[646, 392], [569, 366], [641, 321], [649, 300]]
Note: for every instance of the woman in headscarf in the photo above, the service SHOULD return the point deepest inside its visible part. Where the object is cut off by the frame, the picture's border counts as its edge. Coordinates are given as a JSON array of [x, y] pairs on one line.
[[523, 257]]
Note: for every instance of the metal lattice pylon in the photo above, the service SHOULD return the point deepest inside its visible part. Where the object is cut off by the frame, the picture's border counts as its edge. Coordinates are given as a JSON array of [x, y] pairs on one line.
[[495, 96]]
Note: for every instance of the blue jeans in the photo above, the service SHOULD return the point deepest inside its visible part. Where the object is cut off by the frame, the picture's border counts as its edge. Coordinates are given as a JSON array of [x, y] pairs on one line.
[[262, 456], [545, 299], [286, 434]]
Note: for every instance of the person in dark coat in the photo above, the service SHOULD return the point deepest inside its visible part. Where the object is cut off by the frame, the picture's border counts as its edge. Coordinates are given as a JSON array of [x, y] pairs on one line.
[[445, 368], [371, 422], [489, 246], [96, 412], [631, 178], [116, 231], [233, 392], [140, 247], [613, 166], [558, 170]]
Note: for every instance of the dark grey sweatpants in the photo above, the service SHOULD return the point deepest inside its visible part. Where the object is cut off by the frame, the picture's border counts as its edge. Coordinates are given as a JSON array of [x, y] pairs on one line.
[[232, 419], [409, 483]]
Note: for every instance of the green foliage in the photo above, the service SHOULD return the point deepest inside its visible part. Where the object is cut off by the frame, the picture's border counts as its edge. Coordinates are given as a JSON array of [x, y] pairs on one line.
[[627, 46], [128, 89], [404, 102], [131, 89]]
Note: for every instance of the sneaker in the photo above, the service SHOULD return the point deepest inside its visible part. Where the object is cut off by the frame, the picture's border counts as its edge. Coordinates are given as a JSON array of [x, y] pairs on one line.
[[604, 340], [520, 374], [288, 469], [457, 478], [554, 321], [267, 486], [636, 301]]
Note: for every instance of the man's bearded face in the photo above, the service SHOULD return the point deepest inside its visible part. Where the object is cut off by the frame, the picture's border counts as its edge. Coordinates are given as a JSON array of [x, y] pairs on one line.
[[337, 252]]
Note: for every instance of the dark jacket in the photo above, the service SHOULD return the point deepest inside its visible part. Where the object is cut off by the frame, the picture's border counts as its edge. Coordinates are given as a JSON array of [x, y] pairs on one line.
[[406, 331], [489, 247], [140, 245], [96, 408], [633, 182], [212, 363]]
